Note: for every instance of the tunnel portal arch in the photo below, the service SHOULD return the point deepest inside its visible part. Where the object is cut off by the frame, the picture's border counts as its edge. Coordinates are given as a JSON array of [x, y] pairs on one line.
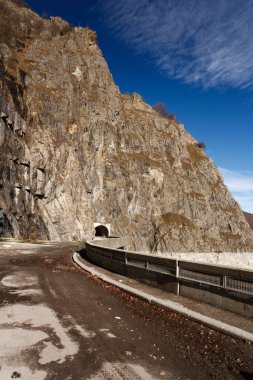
[[101, 231]]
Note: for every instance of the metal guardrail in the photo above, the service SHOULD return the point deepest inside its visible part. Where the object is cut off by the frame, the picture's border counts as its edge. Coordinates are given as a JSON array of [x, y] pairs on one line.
[[214, 277], [219, 277]]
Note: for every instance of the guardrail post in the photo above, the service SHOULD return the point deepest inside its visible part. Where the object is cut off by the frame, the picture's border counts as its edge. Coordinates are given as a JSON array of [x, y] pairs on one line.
[[177, 278], [224, 281]]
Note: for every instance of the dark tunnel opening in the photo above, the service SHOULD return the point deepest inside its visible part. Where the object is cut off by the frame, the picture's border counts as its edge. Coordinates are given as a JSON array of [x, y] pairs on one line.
[[101, 231]]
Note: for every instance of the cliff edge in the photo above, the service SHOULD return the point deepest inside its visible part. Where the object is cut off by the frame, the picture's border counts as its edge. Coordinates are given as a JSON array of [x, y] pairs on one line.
[[75, 151]]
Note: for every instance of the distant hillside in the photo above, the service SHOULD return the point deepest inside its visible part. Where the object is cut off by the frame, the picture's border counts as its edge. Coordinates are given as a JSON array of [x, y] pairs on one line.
[[249, 218]]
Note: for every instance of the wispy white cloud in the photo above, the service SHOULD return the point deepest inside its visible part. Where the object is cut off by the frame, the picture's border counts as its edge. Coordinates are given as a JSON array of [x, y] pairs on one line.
[[204, 42], [241, 186]]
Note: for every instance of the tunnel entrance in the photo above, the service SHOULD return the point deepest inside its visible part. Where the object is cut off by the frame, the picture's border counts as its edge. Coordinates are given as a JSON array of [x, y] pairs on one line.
[[101, 231], [5, 227]]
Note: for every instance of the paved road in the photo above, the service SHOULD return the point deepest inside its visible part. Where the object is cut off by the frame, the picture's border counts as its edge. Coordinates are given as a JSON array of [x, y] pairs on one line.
[[58, 323]]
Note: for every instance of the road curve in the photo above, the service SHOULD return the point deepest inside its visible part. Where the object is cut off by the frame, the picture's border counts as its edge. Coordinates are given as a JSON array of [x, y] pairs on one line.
[[58, 323]]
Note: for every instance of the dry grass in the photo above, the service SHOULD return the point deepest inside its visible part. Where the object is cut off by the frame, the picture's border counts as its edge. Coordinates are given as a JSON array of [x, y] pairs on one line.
[[17, 61], [196, 154], [197, 195], [230, 236], [186, 165], [20, 3], [172, 218], [93, 93], [49, 91], [226, 209], [18, 26], [141, 157]]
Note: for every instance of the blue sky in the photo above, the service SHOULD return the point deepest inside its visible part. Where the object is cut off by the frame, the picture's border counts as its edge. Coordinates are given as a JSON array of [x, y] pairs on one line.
[[196, 56]]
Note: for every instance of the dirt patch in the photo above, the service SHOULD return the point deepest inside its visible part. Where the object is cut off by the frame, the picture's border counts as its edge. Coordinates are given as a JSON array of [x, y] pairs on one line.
[[172, 218]]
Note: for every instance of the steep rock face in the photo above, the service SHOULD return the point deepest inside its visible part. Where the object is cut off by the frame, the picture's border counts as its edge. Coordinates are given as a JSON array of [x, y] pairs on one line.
[[74, 151]]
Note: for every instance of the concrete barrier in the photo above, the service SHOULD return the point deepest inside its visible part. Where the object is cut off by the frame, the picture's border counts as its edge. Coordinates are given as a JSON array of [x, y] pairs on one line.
[[228, 288], [152, 270], [223, 287]]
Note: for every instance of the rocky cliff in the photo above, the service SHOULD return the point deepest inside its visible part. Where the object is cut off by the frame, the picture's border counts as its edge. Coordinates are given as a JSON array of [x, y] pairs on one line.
[[75, 151]]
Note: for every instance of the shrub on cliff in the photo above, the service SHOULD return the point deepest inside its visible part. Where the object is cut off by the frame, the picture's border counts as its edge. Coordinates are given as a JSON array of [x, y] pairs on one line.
[[201, 145], [20, 3], [162, 110]]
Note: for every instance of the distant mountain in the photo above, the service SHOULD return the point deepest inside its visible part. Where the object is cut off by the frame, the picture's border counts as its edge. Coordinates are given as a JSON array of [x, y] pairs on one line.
[[249, 218]]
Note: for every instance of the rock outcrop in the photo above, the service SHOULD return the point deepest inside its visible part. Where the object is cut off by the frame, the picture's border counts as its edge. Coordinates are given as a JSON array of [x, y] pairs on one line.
[[75, 151]]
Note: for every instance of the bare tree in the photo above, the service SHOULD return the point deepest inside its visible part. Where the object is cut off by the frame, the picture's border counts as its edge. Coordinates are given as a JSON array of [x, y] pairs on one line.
[[162, 110]]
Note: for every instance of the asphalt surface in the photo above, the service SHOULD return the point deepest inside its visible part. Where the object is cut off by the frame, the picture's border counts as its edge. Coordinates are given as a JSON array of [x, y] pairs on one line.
[[58, 322]]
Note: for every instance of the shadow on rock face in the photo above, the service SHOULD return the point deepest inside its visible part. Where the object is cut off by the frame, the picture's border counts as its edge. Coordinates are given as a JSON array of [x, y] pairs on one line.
[[5, 227]]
